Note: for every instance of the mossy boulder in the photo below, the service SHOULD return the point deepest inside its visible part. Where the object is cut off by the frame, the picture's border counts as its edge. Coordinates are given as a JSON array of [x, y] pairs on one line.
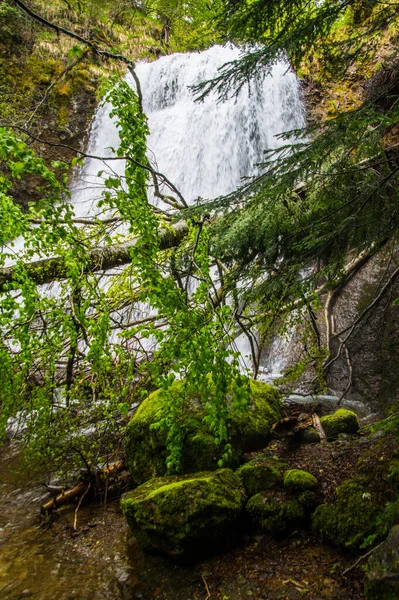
[[186, 517], [275, 513], [382, 581], [296, 481], [351, 518], [342, 421], [309, 436], [145, 446], [260, 475]]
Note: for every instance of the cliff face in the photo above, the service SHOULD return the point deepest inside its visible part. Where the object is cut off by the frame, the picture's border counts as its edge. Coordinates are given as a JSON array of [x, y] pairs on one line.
[[49, 83], [362, 315], [363, 323], [366, 311]]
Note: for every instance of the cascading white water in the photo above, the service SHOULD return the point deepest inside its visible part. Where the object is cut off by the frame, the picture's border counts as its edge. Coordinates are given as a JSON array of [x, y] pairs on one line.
[[203, 148]]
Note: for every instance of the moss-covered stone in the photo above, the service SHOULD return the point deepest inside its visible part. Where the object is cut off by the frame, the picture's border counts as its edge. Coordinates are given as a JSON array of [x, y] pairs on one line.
[[145, 447], [351, 518], [296, 480], [261, 474], [308, 500], [342, 421], [382, 581], [185, 517], [309, 436], [275, 514]]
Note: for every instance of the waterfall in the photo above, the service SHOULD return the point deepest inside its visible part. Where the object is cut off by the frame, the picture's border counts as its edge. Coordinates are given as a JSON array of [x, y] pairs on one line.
[[204, 148]]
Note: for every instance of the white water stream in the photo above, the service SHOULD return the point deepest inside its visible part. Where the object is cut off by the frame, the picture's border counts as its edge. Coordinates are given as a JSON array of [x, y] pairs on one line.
[[203, 148]]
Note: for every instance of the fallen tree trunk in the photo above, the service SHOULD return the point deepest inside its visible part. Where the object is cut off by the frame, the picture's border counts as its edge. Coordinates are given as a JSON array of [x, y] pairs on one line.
[[63, 498], [98, 259], [81, 488]]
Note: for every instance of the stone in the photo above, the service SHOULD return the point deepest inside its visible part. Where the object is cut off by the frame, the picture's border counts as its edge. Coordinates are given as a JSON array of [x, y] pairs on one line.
[[274, 513], [382, 582], [261, 474], [296, 481], [186, 518], [145, 446], [309, 436], [342, 421], [352, 516]]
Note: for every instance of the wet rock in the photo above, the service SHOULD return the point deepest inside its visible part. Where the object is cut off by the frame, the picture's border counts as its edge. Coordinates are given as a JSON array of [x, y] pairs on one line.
[[145, 446], [342, 421], [186, 517]]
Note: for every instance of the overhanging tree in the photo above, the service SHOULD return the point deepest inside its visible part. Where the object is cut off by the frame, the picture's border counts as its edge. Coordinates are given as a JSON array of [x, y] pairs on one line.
[[272, 242]]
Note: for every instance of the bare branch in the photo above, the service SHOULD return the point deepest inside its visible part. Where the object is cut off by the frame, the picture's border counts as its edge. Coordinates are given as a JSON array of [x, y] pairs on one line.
[[74, 35]]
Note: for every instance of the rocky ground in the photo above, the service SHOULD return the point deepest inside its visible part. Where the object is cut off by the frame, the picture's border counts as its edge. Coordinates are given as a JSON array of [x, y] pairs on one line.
[[101, 559]]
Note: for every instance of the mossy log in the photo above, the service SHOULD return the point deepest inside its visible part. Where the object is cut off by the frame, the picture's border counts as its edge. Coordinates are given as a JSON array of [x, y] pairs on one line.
[[98, 259]]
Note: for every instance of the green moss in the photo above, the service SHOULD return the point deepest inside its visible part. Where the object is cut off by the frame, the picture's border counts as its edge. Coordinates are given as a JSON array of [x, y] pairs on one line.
[[352, 517], [393, 473], [308, 500], [342, 421], [254, 427], [260, 474], [309, 436], [145, 446], [274, 514], [383, 570], [296, 480], [187, 516]]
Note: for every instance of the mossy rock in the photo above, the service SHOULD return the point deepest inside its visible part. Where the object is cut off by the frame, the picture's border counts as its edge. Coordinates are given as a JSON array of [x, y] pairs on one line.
[[309, 436], [145, 446], [352, 517], [275, 513], [393, 473], [186, 517], [342, 421], [308, 500], [260, 475], [382, 581], [296, 481]]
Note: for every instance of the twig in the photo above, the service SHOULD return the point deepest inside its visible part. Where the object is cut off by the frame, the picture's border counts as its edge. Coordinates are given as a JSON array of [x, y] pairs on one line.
[[75, 521], [350, 375], [360, 559], [105, 159], [208, 593], [74, 35]]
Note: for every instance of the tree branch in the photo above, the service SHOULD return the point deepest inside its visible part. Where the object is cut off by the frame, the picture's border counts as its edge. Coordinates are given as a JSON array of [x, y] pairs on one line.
[[75, 36], [108, 257]]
